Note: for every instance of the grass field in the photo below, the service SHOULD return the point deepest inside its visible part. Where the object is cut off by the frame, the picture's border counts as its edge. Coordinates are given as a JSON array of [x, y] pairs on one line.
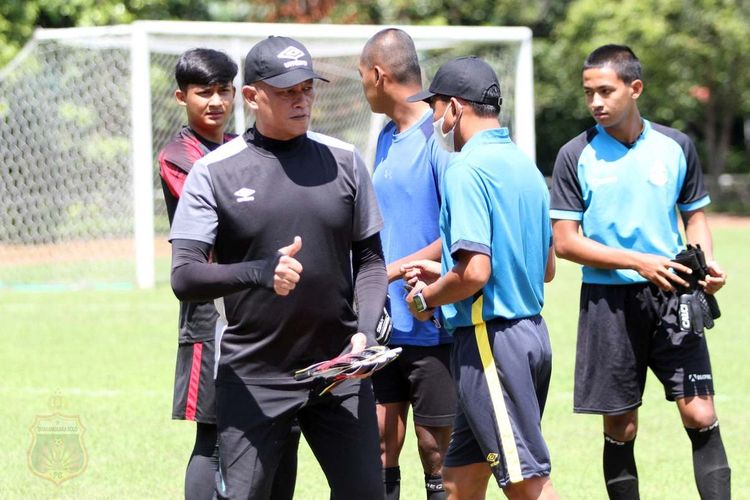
[[108, 358]]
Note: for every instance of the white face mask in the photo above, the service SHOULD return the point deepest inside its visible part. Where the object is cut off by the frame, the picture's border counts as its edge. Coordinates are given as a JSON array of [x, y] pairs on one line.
[[446, 140]]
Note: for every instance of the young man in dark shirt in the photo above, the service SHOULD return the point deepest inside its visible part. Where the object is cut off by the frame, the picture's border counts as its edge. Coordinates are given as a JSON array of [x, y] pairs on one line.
[[292, 223]]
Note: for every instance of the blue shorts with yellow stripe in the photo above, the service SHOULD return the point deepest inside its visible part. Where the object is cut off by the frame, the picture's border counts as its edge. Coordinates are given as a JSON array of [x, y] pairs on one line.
[[502, 371]]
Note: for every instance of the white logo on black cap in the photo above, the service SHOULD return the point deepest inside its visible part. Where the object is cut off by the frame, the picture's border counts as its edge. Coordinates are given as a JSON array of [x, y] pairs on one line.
[[293, 53]]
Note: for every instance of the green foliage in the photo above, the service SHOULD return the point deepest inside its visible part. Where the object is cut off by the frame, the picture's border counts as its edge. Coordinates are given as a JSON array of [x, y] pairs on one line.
[[16, 27], [694, 54], [18, 18]]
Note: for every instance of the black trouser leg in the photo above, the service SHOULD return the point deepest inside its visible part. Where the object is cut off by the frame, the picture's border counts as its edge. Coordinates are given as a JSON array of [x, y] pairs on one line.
[[203, 464]]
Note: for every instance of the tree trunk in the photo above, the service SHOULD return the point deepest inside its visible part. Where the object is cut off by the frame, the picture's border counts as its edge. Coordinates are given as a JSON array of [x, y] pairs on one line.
[[709, 132], [724, 142]]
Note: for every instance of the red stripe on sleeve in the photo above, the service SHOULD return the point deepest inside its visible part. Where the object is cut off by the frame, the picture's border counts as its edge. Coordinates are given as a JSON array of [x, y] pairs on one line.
[[173, 177]]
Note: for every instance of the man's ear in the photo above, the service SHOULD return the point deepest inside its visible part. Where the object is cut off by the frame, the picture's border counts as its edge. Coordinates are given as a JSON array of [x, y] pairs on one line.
[[458, 108], [378, 75], [637, 88], [249, 93], [180, 96]]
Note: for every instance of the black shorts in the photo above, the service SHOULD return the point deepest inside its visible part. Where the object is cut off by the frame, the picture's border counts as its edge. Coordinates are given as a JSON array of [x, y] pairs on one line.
[[194, 390], [255, 423], [622, 331], [502, 370], [420, 375]]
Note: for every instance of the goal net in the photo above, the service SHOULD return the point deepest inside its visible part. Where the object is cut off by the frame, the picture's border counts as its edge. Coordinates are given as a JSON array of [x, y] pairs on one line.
[[84, 112]]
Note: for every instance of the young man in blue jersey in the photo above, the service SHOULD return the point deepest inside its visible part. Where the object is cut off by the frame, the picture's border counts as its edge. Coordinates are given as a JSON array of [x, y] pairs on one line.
[[409, 166], [620, 182], [205, 88], [496, 255]]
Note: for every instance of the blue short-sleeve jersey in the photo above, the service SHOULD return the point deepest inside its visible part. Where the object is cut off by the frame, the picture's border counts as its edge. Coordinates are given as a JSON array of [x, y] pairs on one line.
[[495, 202], [626, 196], [409, 167]]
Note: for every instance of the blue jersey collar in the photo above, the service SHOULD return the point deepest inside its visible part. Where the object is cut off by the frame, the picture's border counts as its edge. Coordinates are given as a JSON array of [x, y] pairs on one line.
[[490, 136], [644, 132], [418, 125]]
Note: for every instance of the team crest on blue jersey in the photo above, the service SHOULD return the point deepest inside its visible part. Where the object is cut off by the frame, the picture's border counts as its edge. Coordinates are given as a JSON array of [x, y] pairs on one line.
[[57, 452], [658, 174]]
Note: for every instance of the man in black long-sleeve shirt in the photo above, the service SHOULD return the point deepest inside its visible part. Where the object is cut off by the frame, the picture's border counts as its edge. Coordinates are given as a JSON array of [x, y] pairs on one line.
[[292, 223]]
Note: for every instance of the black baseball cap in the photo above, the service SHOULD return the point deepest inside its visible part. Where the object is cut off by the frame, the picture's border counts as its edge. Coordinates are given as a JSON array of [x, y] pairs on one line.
[[467, 77], [279, 61]]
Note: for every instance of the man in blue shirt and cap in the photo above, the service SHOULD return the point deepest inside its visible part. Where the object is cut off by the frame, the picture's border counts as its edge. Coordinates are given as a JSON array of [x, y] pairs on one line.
[[496, 255]]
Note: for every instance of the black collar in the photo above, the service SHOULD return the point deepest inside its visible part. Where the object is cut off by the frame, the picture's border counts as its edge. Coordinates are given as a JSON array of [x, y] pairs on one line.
[[252, 136]]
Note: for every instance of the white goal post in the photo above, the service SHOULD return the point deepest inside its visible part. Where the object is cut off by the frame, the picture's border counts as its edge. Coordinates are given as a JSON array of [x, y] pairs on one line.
[[84, 111]]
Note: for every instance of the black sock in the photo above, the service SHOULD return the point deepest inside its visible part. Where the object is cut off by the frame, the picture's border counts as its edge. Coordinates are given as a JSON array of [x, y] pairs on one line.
[[433, 483], [392, 482], [620, 473], [712, 472], [200, 477]]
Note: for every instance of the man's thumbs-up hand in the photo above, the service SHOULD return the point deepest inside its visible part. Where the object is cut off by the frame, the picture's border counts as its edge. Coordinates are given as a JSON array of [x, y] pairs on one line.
[[287, 272]]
